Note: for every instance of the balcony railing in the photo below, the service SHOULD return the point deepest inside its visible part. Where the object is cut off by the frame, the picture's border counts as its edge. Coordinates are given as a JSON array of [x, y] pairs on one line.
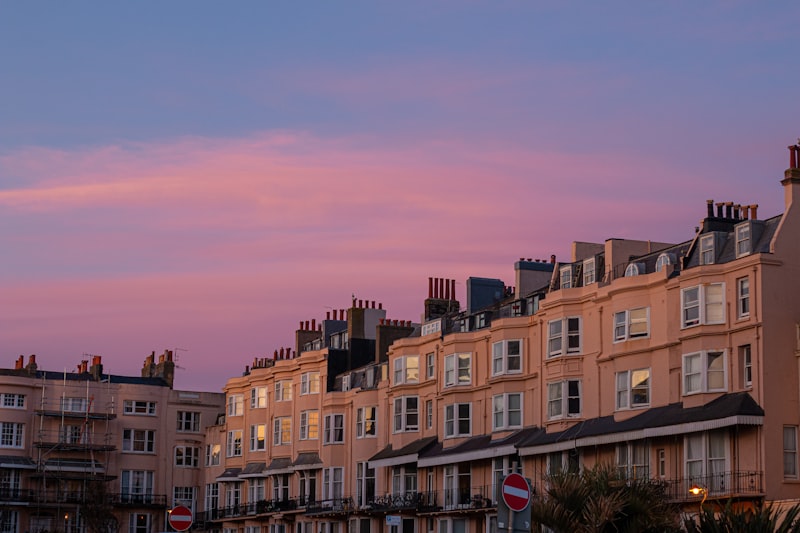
[[331, 506], [721, 485], [253, 509], [136, 500]]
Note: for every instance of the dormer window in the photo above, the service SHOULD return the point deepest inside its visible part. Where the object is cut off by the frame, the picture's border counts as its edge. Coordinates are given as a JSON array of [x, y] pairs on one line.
[[743, 239], [664, 260], [589, 275], [634, 269], [566, 277], [707, 249]]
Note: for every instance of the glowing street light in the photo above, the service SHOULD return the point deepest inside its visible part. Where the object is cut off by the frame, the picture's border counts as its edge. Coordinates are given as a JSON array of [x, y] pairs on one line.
[[697, 490]]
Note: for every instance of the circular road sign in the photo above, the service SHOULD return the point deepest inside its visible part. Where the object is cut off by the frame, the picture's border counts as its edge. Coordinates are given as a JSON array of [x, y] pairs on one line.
[[516, 492], [180, 518]]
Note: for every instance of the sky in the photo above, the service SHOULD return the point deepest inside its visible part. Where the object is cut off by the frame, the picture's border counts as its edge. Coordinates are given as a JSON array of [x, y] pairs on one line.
[[203, 176]]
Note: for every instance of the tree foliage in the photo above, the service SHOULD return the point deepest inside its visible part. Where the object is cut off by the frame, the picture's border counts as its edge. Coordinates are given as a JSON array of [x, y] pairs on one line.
[[97, 511], [599, 500], [762, 519]]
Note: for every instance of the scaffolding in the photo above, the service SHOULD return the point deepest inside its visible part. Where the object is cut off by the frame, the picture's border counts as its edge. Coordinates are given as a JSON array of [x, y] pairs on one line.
[[73, 443]]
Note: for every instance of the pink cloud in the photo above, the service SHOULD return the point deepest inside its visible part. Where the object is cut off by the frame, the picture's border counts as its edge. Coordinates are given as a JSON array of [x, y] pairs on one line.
[[220, 246]]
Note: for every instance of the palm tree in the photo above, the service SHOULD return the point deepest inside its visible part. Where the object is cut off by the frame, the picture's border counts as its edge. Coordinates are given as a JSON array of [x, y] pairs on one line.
[[762, 519], [600, 500]]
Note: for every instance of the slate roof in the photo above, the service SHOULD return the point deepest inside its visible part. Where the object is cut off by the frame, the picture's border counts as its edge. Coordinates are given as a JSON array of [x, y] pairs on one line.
[[412, 448], [252, 469], [481, 442], [230, 474], [307, 460], [727, 405]]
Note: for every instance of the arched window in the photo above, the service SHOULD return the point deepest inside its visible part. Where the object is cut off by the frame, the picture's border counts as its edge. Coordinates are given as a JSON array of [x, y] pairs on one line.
[[634, 269], [664, 260]]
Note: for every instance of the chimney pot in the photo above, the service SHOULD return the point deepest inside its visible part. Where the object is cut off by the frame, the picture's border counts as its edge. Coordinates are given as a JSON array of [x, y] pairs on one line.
[[380, 305], [313, 324], [719, 209], [430, 287], [553, 259], [753, 211], [710, 208], [453, 289]]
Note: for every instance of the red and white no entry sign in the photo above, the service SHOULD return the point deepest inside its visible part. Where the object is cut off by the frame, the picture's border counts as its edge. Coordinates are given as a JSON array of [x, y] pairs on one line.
[[180, 518], [516, 492]]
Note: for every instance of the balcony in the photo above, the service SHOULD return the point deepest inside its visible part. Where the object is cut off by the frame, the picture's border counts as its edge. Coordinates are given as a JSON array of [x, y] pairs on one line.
[[252, 509], [461, 499], [719, 486], [331, 506], [126, 499]]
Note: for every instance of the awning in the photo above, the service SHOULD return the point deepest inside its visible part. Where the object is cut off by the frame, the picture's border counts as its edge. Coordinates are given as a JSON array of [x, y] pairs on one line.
[[475, 449], [230, 474], [254, 470], [738, 409], [279, 465], [307, 461], [407, 454], [16, 462]]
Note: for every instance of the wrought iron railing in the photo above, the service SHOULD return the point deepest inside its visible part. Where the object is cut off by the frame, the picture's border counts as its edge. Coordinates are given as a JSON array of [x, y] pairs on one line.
[[720, 485]]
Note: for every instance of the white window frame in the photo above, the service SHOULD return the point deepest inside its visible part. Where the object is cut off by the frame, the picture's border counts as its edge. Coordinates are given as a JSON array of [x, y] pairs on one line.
[[628, 382], [334, 429], [213, 453], [457, 485], [309, 383], [559, 336], [406, 369], [455, 415], [188, 421], [705, 303], [10, 400], [365, 484], [367, 422], [309, 424], [233, 443], [790, 470], [405, 417], [625, 322], [746, 357], [135, 438], [504, 362], [565, 277], [707, 249], [503, 406], [430, 365], [663, 260], [458, 369], [743, 240], [256, 489], [138, 407], [282, 431], [589, 271], [283, 390], [12, 434], [743, 297], [428, 414], [235, 404], [633, 460], [559, 399], [634, 269], [187, 456], [258, 437], [333, 483], [258, 397], [705, 467], [704, 373]]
